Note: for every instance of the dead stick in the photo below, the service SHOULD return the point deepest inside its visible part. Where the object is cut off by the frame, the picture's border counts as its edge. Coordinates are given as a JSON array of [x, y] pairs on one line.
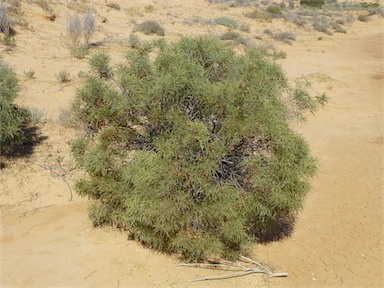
[[226, 276], [61, 176], [219, 266]]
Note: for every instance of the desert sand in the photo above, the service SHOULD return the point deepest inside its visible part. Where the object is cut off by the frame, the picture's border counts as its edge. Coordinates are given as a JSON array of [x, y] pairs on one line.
[[338, 240]]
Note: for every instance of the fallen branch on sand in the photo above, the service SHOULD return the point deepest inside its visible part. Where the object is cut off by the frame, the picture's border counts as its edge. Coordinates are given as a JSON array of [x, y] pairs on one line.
[[62, 176], [238, 269]]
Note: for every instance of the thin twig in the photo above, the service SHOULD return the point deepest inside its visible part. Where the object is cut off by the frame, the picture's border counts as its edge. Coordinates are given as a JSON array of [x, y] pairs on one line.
[[226, 276], [59, 175], [219, 266], [246, 259], [242, 270]]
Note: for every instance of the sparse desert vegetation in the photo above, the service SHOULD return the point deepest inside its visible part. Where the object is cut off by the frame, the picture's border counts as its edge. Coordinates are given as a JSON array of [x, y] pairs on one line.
[[185, 123]]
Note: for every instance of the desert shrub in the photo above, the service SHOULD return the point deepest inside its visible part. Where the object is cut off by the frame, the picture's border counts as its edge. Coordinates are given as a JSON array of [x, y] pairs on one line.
[[88, 25], [321, 24], [230, 35], [79, 51], [133, 41], [74, 29], [78, 28], [340, 30], [114, 6], [150, 27], [30, 74], [235, 37], [285, 36], [44, 4], [245, 28], [268, 32], [274, 10], [8, 40], [188, 147], [228, 22], [12, 117], [363, 18], [100, 65], [296, 19], [259, 15], [4, 21], [63, 77], [149, 8], [312, 3]]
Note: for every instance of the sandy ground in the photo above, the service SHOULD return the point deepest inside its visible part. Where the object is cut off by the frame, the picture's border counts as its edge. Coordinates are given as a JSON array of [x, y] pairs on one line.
[[47, 241]]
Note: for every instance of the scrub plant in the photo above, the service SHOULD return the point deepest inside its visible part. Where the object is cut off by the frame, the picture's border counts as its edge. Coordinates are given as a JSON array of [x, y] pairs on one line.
[[188, 147]]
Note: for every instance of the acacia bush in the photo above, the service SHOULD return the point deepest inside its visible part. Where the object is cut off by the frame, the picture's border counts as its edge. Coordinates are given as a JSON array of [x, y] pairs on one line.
[[188, 147]]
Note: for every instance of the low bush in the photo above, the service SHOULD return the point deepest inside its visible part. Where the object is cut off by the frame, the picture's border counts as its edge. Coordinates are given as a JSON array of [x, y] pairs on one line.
[[133, 41], [188, 147], [285, 36], [79, 51], [78, 28], [4, 21], [312, 3], [30, 74], [114, 6], [363, 18], [63, 77], [274, 10], [228, 22], [12, 118], [235, 37], [150, 27]]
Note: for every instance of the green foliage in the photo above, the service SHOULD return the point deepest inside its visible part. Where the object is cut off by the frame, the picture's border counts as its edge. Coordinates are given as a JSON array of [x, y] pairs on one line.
[[228, 22], [189, 148], [150, 27], [133, 41], [8, 40], [312, 3], [79, 51], [274, 10], [12, 117], [363, 18], [100, 64]]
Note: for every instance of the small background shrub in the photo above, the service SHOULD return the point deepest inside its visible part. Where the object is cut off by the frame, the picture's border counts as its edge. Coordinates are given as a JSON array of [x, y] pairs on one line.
[[30, 74], [150, 27], [225, 21], [4, 21], [363, 18], [63, 77], [285, 36], [78, 28], [79, 51], [114, 6], [312, 3], [9, 40], [274, 10], [133, 41], [259, 15]]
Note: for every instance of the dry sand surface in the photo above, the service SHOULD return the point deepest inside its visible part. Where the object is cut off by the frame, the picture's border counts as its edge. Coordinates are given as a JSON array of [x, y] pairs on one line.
[[47, 241]]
